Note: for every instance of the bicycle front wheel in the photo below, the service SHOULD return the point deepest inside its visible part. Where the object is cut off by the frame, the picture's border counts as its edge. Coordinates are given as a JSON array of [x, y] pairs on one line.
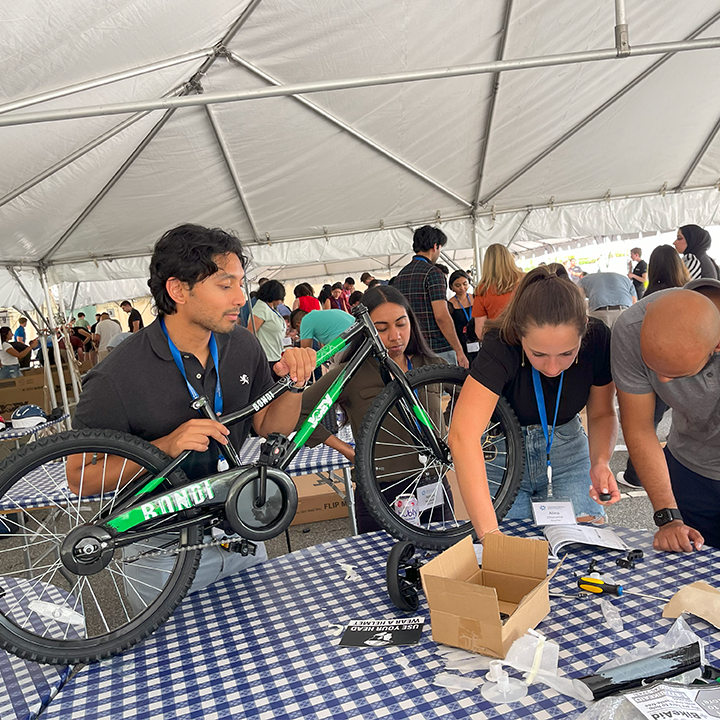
[[410, 492], [59, 602]]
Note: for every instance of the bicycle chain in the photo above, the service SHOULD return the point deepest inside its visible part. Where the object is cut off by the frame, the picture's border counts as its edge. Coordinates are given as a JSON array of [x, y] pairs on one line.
[[186, 548]]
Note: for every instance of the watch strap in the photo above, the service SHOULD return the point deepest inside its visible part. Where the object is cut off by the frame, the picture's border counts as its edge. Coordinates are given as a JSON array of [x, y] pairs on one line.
[[666, 515]]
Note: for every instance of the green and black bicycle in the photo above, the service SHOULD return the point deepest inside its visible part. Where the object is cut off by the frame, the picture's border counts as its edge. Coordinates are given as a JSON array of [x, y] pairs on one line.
[[71, 580]]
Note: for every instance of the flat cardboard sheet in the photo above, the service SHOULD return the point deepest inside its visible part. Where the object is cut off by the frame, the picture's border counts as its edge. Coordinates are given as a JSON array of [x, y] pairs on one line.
[[698, 598]]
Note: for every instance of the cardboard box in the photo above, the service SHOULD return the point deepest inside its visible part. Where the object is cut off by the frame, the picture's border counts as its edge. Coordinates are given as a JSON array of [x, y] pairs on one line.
[[466, 601], [14, 393], [317, 501]]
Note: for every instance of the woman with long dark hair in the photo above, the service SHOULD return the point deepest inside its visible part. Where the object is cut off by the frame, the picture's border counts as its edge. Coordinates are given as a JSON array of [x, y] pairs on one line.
[[666, 270], [305, 298], [401, 334], [549, 361], [9, 356]]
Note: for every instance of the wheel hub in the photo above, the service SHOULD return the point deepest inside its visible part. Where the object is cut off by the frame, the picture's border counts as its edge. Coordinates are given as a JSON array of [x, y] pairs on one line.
[[87, 550]]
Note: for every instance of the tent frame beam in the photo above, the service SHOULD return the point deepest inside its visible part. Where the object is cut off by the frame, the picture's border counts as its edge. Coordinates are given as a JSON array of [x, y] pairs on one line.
[[189, 87], [699, 156], [104, 80], [236, 59], [493, 100], [225, 152], [598, 111], [665, 49]]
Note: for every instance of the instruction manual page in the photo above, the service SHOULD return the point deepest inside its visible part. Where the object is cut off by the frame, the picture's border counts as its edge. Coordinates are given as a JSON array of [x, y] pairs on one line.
[[560, 536], [671, 702]]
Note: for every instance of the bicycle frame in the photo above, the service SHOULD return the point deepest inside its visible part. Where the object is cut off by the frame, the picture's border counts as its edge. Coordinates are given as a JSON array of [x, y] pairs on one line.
[[135, 506]]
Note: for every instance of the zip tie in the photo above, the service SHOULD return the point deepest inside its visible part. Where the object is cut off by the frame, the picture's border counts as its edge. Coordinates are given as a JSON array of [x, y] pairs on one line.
[[536, 660]]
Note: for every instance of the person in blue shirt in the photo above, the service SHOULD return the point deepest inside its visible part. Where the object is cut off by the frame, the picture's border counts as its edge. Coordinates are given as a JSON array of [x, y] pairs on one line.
[[20, 335]]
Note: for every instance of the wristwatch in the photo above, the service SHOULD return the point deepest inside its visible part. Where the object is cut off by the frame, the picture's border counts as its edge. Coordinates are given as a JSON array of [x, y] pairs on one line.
[[666, 515]]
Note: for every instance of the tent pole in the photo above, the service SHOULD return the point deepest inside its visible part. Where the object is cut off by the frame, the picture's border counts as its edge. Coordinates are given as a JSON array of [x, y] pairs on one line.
[[493, 99], [74, 298], [49, 380], [56, 347], [622, 40], [12, 271], [69, 159], [69, 352], [478, 252], [701, 153], [225, 152], [519, 227], [351, 130], [666, 49], [598, 111], [104, 80]]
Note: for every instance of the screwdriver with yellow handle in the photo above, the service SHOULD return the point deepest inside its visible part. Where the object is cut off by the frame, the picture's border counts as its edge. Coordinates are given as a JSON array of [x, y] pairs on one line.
[[600, 587]]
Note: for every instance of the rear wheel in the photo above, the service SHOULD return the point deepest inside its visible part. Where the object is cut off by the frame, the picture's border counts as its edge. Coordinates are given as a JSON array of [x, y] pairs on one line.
[[409, 491], [68, 593]]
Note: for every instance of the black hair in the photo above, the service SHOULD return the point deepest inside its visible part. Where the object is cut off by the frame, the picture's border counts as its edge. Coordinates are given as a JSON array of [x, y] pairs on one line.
[[188, 253], [349, 281], [381, 294], [126, 302], [81, 314], [456, 275], [444, 269], [325, 293], [303, 290], [4, 332], [373, 283], [427, 237], [337, 286], [355, 297], [294, 315], [271, 291]]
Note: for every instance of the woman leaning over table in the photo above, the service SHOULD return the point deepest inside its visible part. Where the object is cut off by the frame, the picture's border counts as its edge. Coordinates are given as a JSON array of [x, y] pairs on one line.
[[549, 361], [10, 357]]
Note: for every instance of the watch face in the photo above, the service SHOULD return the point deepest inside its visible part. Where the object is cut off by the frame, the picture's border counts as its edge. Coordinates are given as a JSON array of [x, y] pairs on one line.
[[666, 515]]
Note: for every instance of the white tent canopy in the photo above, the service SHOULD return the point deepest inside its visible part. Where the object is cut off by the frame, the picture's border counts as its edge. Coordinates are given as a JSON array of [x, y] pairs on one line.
[[574, 142]]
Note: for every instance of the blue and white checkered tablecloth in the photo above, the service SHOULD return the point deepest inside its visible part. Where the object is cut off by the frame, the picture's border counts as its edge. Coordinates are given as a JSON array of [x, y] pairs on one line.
[[259, 645], [46, 486], [26, 687], [16, 433]]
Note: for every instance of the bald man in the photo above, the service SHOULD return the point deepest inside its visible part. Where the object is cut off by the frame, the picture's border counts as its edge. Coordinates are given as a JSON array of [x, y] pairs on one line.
[[668, 345]]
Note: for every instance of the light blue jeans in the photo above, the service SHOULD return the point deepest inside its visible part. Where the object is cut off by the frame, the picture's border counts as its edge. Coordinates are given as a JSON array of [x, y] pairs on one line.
[[449, 356], [570, 459], [10, 371]]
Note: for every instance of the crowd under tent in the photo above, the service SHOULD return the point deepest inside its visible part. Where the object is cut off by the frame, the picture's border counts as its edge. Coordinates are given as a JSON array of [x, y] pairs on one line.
[[322, 134]]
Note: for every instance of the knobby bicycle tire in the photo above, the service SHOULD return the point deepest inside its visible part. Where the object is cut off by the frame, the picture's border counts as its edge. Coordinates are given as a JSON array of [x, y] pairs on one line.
[[394, 470], [50, 614]]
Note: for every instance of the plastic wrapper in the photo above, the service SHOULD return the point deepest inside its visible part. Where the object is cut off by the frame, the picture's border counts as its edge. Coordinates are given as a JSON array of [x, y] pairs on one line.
[[456, 682]]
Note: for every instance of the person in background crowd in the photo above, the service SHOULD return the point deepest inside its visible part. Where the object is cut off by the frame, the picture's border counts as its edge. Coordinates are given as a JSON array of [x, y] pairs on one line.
[[355, 298], [305, 298], [692, 243], [324, 296], [638, 274], [666, 271], [500, 276], [461, 310], [424, 285], [81, 322], [608, 294], [574, 271], [549, 361], [401, 334], [9, 356], [135, 321], [20, 334], [348, 287], [338, 301], [93, 349], [366, 278], [372, 283], [668, 345], [321, 326], [105, 331], [269, 324]]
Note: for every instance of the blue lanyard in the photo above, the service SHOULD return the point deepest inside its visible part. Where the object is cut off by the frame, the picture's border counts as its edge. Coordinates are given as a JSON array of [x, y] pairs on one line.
[[424, 259], [540, 399], [467, 311], [178, 361]]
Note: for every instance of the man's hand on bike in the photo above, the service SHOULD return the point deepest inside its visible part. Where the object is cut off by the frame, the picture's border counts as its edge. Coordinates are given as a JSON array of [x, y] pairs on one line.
[[463, 362], [299, 363], [192, 435]]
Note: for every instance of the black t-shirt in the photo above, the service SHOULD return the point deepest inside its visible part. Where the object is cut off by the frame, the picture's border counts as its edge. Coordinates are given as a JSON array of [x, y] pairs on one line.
[[498, 367], [135, 315], [640, 269], [139, 390]]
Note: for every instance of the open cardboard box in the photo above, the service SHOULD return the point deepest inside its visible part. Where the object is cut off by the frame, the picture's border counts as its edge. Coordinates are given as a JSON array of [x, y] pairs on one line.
[[466, 601]]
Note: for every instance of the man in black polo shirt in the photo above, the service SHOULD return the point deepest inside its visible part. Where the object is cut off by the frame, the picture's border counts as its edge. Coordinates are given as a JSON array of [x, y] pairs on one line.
[[425, 287], [196, 277], [135, 321]]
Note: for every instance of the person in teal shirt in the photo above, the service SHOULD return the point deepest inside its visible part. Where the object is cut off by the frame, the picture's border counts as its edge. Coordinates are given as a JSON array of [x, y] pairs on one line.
[[321, 325]]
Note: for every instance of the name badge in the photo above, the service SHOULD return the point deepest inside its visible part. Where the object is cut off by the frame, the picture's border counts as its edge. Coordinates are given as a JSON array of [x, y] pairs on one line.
[[555, 512], [473, 347]]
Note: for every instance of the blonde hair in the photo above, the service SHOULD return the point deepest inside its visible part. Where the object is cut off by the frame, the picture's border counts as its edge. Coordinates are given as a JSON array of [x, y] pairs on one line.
[[500, 274]]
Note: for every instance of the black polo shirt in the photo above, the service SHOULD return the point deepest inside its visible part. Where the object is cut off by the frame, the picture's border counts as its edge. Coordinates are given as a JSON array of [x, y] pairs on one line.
[[138, 389], [499, 368]]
